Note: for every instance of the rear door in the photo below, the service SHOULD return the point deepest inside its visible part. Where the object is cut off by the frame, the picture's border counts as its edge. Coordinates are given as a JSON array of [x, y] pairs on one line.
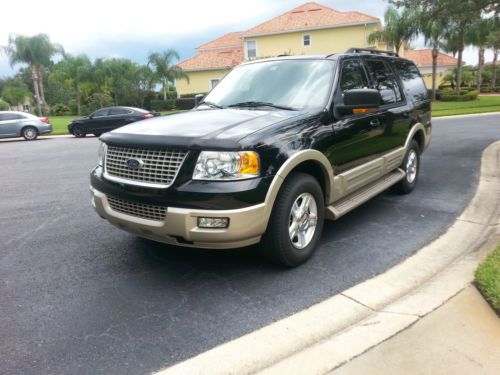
[[119, 117], [9, 124], [97, 121]]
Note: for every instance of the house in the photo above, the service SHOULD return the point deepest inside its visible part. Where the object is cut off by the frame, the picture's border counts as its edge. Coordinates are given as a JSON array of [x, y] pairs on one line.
[[310, 28], [423, 59]]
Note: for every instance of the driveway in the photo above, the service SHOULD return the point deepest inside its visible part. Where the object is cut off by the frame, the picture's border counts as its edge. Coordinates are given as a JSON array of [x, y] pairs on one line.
[[79, 296]]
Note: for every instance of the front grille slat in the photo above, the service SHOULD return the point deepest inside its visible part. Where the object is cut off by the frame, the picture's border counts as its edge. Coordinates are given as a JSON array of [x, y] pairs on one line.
[[144, 211], [160, 165]]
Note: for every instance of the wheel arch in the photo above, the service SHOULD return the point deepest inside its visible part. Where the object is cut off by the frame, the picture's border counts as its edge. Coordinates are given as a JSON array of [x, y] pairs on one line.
[[28, 126]]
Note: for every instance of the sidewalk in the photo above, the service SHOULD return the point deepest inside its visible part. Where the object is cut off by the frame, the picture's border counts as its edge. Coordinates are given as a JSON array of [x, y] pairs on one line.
[[460, 337]]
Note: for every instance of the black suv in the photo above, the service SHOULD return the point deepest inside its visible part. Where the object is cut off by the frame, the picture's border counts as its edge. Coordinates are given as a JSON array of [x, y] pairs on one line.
[[107, 119], [275, 148]]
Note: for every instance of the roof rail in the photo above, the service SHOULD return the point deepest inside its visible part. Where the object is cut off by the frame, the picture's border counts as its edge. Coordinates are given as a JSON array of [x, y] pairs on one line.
[[372, 51]]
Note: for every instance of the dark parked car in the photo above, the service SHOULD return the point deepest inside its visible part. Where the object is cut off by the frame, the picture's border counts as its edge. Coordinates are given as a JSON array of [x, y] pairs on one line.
[[275, 148], [21, 124], [107, 119]]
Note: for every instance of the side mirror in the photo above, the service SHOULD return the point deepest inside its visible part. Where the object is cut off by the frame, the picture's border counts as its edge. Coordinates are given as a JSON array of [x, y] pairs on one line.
[[90, 117], [198, 99], [361, 100]]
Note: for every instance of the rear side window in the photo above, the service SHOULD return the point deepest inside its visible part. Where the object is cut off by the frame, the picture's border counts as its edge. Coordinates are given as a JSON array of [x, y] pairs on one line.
[[413, 83], [100, 113], [9, 116], [352, 76], [119, 111], [384, 81]]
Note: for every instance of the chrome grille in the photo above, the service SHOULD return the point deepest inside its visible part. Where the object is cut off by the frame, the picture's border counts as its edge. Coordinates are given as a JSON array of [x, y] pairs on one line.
[[159, 166], [145, 211]]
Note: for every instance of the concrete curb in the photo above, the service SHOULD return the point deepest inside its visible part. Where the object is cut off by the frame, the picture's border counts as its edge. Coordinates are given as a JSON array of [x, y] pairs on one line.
[[327, 335], [436, 117]]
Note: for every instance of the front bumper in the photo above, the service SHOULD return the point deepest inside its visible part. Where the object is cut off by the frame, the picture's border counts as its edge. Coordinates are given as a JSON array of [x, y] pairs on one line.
[[179, 227]]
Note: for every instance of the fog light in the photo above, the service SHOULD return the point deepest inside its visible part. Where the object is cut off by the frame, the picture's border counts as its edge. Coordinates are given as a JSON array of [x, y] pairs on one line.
[[213, 222]]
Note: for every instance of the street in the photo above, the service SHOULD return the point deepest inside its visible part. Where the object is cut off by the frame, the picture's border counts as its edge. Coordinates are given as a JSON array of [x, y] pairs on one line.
[[80, 296]]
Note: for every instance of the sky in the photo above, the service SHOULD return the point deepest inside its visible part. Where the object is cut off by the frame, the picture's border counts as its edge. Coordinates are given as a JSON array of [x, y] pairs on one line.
[[133, 29]]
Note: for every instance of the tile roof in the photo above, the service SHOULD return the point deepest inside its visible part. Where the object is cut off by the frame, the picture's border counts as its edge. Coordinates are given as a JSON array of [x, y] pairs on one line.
[[214, 59], [423, 57], [225, 41], [309, 16]]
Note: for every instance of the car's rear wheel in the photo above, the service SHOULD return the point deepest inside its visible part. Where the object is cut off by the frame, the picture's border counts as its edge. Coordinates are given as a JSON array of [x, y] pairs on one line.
[[79, 131], [411, 166], [30, 133], [296, 222]]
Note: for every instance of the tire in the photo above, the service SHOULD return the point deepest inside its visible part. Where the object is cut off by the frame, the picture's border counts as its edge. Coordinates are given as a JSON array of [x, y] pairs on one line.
[[411, 165], [277, 244], [30, 133], [79, 131]]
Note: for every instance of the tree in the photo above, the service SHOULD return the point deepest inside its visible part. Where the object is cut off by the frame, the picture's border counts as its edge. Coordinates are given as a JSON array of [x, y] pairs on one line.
[[73, 71], [399, 28], [35, 51], [15, 95], [493, 42], [162, 63], [478, 36]]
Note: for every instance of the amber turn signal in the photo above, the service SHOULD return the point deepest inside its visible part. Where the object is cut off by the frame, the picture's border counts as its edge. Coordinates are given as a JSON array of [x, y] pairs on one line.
[[249, 163]]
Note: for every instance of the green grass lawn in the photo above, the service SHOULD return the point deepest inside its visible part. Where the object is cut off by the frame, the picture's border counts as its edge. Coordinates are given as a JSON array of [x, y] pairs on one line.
[[488, 278], [482, 104], [60, 123]]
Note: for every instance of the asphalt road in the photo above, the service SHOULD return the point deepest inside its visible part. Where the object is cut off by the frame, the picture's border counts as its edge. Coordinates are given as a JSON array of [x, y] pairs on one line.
[[78, 296]]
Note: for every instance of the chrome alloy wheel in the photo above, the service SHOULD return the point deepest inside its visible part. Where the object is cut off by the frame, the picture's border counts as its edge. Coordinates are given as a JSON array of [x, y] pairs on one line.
[[411, 166], [303, 220], [30, 134]]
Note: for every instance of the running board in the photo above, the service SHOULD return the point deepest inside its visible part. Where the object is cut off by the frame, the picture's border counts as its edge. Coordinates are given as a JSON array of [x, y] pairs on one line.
[[360, 196]]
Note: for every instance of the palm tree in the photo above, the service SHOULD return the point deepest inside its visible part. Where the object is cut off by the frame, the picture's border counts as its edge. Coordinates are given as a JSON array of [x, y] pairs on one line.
[[433, 28], [478, 37], [493, 42], [35, 51], [164, 69], [399, 28], [74, 71]]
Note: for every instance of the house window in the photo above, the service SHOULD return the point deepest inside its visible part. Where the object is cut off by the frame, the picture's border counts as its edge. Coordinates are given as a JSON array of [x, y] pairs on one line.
[[251, 49], [213, 83], [306, 40]]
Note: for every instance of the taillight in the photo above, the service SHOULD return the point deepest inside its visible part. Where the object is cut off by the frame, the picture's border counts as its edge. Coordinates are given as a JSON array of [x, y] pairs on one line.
[[147, 115], [44, 119]]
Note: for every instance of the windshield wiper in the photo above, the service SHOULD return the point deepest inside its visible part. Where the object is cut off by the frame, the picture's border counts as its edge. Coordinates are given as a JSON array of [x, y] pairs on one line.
[[211, 104], [260, 104]]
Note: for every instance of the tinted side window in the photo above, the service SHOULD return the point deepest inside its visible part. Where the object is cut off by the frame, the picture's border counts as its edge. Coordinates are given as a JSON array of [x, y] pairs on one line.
[[100, 113], [413, 83], [353, 76], [383, 80], [119, 111], [9, 116]]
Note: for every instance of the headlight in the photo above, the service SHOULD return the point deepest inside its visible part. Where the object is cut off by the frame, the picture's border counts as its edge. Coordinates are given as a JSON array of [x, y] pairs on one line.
[[100, 153], [214, 165]]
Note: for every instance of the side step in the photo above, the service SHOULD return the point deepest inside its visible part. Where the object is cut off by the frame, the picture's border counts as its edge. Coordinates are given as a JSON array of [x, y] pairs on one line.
[[353, 200]]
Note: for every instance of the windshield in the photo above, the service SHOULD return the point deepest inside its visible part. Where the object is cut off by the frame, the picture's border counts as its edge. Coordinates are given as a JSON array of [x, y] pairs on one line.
[[296, 84]]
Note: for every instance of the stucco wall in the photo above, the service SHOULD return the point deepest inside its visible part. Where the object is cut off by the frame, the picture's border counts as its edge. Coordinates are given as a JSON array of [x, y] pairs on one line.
[[199, 82]]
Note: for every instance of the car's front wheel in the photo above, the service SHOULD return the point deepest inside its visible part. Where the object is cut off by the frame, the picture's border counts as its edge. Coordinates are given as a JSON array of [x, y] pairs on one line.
[[30, 133], [296, 222], [79, 131]]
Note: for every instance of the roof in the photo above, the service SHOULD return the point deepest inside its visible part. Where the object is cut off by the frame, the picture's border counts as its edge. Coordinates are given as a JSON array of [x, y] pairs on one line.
[[214, 59], [226, 41], [423, 57], [309, 16]]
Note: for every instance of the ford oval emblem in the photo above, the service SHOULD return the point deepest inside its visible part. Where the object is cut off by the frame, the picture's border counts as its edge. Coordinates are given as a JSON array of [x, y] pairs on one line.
[[135, 163]]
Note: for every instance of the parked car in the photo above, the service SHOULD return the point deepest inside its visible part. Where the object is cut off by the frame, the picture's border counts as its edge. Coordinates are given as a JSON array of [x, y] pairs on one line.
[[275, 148], [107, 119], [20, 124]]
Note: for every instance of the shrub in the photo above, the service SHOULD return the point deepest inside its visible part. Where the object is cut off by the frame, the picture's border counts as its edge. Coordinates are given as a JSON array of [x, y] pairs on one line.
[[453, 97], [60, 110], [171, 95], [192, 95], [159, 105], [184, 103], [486, 89], [4, 106], [99, 100]]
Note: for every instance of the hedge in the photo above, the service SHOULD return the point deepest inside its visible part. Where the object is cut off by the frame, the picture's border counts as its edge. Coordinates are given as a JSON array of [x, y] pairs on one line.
[[184, 103], [192, 95], [159, 105], [453, 97]]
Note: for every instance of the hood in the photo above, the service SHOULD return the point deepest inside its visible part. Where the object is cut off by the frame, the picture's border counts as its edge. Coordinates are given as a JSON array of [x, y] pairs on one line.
[[214, 128]]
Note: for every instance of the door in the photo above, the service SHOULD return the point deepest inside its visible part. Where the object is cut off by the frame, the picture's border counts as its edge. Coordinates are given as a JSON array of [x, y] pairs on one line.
[[395, 111], [9, 124], [118, 117], [355, 134], [97, 120]]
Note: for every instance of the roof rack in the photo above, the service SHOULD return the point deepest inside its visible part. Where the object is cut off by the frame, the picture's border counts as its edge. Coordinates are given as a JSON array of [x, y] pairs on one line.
[[372, 51]]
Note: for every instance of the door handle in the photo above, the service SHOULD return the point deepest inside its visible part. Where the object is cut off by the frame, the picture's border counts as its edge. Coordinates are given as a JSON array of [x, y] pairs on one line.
[[375, 122]]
